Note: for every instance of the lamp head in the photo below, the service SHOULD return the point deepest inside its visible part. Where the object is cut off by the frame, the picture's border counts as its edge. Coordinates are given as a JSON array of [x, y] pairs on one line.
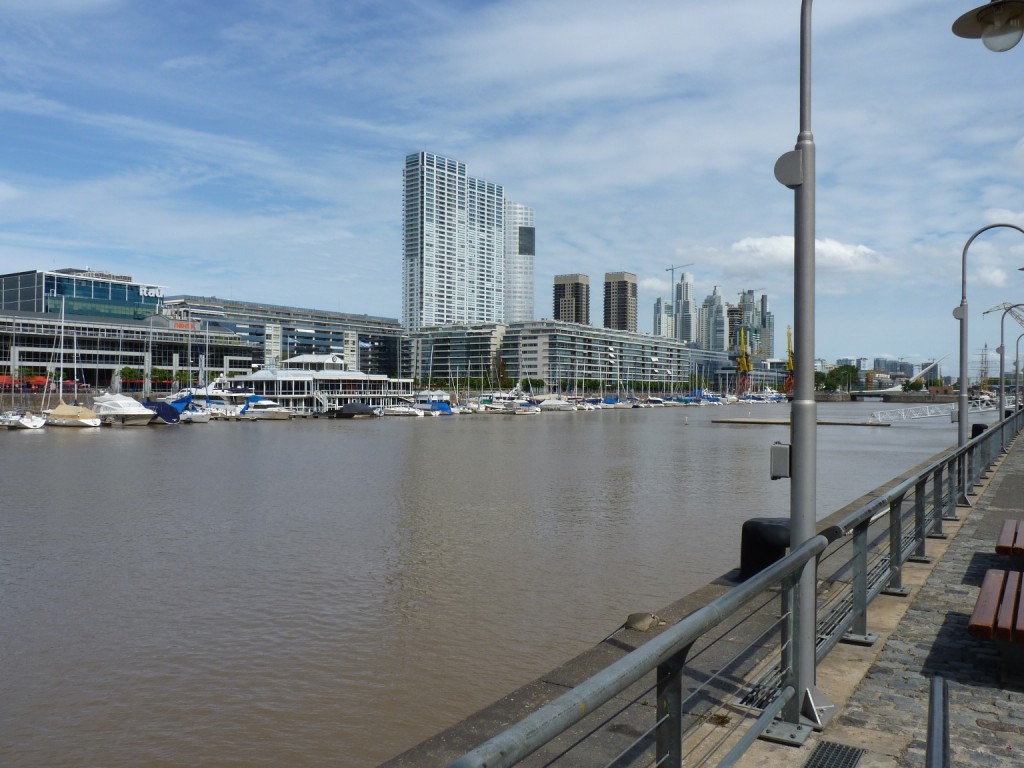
[[999, 24]]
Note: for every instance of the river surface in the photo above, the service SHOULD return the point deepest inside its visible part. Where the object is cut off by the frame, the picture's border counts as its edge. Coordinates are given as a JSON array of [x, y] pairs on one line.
[[323, 592]]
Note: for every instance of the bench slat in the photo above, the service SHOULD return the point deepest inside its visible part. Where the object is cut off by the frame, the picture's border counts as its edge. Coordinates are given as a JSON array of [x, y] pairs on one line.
[[1008, 606], [1018, 540], [983, 620], [1007, 537]]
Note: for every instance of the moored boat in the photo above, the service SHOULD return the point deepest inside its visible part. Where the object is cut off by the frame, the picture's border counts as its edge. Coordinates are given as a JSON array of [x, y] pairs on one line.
[[64, 415], [22, 420], [120, 410]]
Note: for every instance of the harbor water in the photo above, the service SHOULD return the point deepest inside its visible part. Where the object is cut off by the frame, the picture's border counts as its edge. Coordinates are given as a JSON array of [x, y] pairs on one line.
[[320, 592]]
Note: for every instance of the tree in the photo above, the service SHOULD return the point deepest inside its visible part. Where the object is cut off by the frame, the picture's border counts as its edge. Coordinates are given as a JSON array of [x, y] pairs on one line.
[[842, 377]]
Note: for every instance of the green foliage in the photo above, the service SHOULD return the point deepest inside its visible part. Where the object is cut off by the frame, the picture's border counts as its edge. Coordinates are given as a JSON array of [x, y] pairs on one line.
[[842, 377]]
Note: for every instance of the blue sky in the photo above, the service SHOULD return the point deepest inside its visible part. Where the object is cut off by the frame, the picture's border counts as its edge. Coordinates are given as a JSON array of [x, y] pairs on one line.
[[254, 150]]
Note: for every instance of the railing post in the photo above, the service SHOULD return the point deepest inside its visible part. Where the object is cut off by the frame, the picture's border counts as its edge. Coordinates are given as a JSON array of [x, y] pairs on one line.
[[895, 586], [938, 508], [789, 728], [669, 731], [950, 506], [920, 554], [858, 633]]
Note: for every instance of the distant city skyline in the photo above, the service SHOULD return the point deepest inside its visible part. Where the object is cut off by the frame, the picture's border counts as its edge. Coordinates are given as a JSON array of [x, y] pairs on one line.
[[254, 150]]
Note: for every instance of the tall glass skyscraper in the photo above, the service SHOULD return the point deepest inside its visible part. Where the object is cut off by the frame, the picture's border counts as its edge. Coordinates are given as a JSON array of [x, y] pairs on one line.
[[685, 309], [453, 233], [520, 250]]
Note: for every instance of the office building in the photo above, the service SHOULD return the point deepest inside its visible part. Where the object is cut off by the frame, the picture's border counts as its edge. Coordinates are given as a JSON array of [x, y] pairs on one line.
[[79, 292], [520, 251], [620, 295], [572, 299], [453, 231]]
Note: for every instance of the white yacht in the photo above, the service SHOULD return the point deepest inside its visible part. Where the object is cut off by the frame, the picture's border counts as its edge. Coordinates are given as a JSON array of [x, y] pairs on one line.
[[120, 410]]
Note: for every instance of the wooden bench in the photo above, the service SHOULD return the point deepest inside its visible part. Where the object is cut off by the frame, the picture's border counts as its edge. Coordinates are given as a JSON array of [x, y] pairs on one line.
[[1011, 538], [999, 615]]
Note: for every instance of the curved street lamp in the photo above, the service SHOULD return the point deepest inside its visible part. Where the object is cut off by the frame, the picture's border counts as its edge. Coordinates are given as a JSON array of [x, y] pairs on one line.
[[999, 24], [1016, 376], [960, 313], [1002, 359]]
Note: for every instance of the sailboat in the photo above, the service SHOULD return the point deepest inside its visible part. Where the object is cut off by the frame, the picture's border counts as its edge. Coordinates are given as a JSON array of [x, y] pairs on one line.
[[64, 415], [19, 419]]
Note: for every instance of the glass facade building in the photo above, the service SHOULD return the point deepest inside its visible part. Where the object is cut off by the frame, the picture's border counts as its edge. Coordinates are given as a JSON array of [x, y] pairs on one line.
[[79, 292], [520, 252]]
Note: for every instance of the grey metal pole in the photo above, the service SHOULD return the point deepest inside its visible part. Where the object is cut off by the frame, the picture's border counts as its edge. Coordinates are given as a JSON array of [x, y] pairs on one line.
[[1016, 379], [796, 170], [960, 313], [1002, 362]]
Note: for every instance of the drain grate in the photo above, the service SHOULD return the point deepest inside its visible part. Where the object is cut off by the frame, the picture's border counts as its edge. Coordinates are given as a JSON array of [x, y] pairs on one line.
[[830, 755]]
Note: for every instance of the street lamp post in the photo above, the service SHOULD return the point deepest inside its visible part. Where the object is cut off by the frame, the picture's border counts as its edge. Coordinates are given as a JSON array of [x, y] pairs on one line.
[[1002, 360], [1016, 377], [796, 170], [960, 313]]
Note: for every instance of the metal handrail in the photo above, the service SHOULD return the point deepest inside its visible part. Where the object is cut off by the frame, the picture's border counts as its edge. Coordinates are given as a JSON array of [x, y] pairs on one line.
[[934, 492], [549, 721]]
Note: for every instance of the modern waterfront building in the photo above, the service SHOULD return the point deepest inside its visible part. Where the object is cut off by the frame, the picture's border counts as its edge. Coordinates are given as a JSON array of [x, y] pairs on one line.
[[99, 329], [620, 297], [572, 299], [453, 232], [324, 383], [100, 352], [374, 345], [520, 252], [568, 357], [79, 292]]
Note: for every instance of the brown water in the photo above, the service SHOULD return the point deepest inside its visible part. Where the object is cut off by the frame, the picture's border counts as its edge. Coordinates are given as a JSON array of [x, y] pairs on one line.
[[333, 592]]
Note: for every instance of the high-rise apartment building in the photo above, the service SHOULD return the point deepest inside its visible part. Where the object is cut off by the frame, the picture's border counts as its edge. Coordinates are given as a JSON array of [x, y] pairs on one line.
[[572, 299], [453, 232], [520, 250], [713, 330], [663, 321], [685, 309], [620, 294]]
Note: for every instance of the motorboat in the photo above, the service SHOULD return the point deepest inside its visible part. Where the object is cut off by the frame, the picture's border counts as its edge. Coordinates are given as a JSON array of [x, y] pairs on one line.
[[64, 415], [402, 410], [355, 410], [122, 411], [556, 404], [22, 420], [258, 407]]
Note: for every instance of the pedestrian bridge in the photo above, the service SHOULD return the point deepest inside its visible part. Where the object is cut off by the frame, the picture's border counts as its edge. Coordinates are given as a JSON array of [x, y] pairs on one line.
[[928, 411]]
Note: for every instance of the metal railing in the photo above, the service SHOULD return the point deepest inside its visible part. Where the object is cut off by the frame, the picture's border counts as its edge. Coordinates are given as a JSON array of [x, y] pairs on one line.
[[733, 701]]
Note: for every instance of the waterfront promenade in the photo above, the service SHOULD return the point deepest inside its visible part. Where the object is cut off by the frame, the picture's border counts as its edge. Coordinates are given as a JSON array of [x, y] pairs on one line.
[[880, 692]]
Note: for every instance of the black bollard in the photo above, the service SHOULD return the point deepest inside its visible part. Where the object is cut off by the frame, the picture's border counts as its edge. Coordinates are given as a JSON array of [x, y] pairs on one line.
[[764, 540]]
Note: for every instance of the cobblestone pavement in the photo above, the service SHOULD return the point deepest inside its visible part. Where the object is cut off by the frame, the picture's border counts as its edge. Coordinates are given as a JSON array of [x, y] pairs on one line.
[[986, 718], [881, 694]]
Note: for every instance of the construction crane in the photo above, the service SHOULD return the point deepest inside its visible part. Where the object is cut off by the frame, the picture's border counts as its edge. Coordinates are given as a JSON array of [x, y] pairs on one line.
[[787, 387], [673, 271], [743, 366]]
